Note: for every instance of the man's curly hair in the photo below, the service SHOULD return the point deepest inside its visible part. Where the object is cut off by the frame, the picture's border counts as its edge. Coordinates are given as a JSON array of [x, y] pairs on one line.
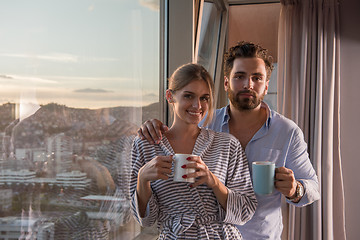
[[247, 50]]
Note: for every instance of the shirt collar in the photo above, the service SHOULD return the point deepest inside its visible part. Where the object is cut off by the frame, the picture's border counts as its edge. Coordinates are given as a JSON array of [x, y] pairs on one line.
[[268, 113], [263, 105]]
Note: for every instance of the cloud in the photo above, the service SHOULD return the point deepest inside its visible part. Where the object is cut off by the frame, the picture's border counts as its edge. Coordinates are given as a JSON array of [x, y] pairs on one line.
[[91, 90], [6, 77], [16, 78], [99, 59], [91, 8], [152, 4], [60, 57], [93, 79], [151, 97], [55, 57], [61, 95]]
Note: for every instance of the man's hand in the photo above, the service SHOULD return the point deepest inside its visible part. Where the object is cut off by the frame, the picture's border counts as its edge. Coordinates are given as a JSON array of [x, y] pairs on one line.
[[285, 181], [152, 131]]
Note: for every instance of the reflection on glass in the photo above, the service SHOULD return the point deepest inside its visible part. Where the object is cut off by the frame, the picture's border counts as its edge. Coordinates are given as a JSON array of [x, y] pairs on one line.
[[271, 96], [76, 80], [209, 34]]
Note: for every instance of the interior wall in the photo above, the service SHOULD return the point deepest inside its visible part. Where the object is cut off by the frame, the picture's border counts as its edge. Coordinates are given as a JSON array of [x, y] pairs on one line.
[[257, 23], [349, 113]]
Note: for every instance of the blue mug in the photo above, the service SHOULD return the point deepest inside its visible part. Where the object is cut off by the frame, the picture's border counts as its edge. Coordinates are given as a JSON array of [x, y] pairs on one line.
[[263, 174]]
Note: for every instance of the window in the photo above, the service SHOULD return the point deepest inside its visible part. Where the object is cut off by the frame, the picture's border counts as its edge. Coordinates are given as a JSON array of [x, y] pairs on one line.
[[77, 78], [209, 37], [211, 25]]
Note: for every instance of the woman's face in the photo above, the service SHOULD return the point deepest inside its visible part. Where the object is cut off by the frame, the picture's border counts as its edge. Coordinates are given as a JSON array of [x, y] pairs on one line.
[[190, 103]]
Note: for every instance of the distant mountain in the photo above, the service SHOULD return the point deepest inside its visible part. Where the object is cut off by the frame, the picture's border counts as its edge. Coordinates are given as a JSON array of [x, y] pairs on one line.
[[79, 124]]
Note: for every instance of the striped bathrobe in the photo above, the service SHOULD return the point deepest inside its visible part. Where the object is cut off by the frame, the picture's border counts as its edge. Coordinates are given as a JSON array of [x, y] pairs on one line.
[[183, 212]]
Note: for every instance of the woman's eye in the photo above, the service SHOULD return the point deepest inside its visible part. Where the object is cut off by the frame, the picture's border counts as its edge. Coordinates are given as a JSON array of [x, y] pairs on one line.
[[188, 96], [205, 99]]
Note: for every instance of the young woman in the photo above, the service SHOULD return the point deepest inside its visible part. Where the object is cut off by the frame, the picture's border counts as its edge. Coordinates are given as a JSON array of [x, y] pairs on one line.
[[222, 194]]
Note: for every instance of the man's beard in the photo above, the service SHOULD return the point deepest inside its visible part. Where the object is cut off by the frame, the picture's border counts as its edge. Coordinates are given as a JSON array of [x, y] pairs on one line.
[[242, 103]]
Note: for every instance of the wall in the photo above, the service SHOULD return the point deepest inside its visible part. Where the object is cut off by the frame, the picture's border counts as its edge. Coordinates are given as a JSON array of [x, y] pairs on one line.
[[350, 115], [257, 23]]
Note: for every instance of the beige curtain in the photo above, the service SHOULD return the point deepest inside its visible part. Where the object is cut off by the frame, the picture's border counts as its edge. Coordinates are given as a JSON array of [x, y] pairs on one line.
[[309, 88]]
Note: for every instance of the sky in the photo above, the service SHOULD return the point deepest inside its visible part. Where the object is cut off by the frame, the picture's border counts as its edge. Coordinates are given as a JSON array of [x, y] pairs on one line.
[[81, 53]]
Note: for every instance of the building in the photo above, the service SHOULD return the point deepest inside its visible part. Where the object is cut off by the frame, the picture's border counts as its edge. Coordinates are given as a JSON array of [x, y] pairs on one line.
[[59, 149], [6, 199], [75, 179], [114, 210], [26, 228], [16, 177]]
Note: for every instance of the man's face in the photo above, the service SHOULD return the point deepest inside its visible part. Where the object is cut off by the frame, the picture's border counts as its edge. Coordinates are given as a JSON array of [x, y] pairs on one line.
[[247, 84]]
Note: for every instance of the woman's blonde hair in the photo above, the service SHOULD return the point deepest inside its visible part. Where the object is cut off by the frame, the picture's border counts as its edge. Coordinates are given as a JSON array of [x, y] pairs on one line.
[[188, 73]]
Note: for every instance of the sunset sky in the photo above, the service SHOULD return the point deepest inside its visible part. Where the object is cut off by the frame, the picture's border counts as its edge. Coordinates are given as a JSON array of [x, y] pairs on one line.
[[81, 53]]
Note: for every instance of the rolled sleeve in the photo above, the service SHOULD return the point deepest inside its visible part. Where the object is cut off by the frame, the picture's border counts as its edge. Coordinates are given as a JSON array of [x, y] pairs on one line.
[[298, 160], [239, 208], [241, 201], [138, 160], [311, 193], [150, 214]]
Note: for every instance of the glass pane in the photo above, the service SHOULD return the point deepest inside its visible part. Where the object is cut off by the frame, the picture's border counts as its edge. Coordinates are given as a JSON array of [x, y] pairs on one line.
[[271, 97], [209, 34], [77, 79]]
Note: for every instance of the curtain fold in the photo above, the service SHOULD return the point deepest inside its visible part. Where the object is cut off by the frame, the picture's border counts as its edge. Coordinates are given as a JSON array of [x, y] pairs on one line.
[[309, 94]]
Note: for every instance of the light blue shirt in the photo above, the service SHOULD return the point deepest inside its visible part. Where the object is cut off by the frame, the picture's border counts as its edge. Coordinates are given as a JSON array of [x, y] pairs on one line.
[[280, 141]]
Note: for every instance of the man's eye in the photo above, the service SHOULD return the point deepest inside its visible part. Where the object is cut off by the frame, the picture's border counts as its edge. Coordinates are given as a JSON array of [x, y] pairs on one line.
[[239, 77], [257, 78]]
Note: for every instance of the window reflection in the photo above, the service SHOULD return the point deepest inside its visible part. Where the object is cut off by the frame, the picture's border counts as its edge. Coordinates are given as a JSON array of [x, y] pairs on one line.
[[271, 97], [209, 37], [77, 79]]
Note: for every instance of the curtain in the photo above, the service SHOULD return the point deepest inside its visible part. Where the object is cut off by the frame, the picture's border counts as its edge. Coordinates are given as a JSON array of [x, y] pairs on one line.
[[309, 94]]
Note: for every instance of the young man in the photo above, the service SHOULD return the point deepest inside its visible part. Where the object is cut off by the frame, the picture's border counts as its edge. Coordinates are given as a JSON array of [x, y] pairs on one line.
[[264, 134]]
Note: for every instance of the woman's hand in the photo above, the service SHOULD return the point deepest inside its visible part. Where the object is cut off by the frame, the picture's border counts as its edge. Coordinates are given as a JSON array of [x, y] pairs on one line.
[[158, 168], [202, 172], [204, 175]]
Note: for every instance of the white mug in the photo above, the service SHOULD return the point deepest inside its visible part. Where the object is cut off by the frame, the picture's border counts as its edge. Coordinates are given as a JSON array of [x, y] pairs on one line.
[[180, 160]]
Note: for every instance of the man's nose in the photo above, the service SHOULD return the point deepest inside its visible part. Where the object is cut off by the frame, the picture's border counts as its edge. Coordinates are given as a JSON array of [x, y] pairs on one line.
[[248, 83]]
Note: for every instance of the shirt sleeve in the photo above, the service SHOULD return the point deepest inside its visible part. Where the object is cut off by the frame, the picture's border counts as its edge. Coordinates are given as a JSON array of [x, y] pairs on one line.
[[241, 202], [298, 160], [151, 214]]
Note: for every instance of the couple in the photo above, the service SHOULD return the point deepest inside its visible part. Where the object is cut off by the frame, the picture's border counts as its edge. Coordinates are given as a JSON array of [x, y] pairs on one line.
[[263, 134]]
